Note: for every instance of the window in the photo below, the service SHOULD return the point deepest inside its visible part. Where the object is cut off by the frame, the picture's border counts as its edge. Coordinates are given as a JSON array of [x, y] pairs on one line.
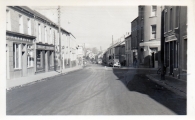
[[142, 33], [40, 59], [165, 20], [171, 19], [8, 23], [16, 55], [29, 26], [39, 32], [175, 54], [153, 11], [29, 56], [177, 17], [153, 31], [20, 24], [51, 58], [50, 36], [166, 54], [46, 34]]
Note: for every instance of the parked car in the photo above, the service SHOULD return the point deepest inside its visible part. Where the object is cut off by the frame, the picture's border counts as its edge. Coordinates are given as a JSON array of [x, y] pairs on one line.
[[117, 64]]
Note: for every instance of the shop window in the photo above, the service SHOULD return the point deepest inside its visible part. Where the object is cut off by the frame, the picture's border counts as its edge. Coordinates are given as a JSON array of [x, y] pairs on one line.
[[153, 11], [153, 31], [175, 54], [167, 54], [39, 59], [29, 56], [8, 23], [51, 58], [185, 54], [16, 56]]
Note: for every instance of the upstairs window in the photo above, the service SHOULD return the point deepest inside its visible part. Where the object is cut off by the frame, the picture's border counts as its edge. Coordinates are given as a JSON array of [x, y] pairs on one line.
[[171, 19], [29, 26], [153, 31], [177, 17], [153, 11], [46, 34], [39, 31], [8, 23], [21, 24]]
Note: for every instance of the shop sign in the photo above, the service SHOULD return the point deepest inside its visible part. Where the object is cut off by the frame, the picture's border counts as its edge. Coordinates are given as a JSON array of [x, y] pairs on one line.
[[170, 38], [40, 47], [49, 48]]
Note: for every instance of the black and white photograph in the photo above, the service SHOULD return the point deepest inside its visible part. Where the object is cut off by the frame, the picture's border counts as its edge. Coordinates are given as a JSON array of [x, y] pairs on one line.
[[97, 59]]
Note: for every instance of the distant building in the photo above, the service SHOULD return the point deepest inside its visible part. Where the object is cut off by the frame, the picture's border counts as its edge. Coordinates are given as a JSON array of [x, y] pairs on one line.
[[134, 40], [128, 51], [175, 45]]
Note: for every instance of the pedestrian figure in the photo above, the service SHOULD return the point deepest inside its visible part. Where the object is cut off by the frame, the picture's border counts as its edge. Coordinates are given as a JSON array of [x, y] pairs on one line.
[[135, 62]]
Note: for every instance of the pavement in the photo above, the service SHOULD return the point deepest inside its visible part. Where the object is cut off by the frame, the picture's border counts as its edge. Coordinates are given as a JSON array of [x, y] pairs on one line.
[[31, 79], [176, 85]]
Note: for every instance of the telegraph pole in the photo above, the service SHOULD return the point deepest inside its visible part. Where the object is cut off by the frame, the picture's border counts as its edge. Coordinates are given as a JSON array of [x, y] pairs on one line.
[[60, 47]]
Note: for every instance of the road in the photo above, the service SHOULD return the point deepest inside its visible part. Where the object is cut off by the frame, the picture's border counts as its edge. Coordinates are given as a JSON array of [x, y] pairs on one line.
[[95, 90]]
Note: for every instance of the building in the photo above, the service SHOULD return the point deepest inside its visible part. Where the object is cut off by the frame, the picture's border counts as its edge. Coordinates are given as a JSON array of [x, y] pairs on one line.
[[128, 52], [80, 54], [32, 42], [20, 39], [175, 41], [134, 40], [150, 33]]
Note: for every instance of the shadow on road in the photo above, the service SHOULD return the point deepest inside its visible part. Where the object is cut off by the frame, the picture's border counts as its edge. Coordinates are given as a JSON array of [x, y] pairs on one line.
[[135, 80]]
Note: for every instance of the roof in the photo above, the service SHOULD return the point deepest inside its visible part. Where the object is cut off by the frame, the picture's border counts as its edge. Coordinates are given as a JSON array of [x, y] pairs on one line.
[[128, 36], [134, 19], [42, 16]]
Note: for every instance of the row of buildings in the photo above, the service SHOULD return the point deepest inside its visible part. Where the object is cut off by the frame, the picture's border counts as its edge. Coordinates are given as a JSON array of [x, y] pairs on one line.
[[158, 38], [32, 44]]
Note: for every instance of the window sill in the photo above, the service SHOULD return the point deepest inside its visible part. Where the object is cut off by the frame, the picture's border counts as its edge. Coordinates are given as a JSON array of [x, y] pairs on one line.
[[152, 39], [17, 69], [170, 31], [152, 16], [30, 67], [184, 70]]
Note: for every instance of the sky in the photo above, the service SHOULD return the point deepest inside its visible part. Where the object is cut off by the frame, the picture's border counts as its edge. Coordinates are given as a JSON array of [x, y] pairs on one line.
[[93, 25]]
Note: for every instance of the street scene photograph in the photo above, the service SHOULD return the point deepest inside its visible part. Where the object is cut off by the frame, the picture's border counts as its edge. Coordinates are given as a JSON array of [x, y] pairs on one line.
[[96, 60]]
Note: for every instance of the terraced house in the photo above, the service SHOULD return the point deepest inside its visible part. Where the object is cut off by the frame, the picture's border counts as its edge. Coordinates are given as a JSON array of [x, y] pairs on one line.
[[32, 42], [175, 43]]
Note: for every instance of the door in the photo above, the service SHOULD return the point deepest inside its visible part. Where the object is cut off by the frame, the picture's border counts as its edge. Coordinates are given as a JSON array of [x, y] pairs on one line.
[[171, 57]]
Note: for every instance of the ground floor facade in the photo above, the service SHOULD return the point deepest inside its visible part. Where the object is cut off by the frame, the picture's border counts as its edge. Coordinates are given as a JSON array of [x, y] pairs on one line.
[[19, 55], [175, 57], [129, 58], [44, 57], [149, 54]]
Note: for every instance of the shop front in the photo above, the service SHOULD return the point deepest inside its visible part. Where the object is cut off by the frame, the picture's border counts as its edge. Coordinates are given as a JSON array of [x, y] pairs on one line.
[[171, 55], [44, 58], [19, 55]]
